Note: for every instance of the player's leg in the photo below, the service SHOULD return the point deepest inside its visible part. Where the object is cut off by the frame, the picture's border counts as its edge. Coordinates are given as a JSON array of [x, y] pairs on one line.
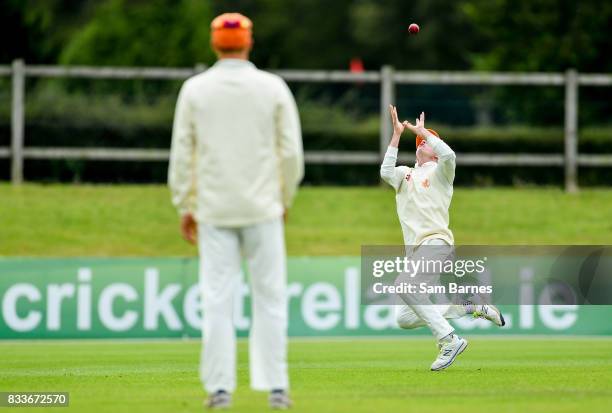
[[219, 277], [449, 344], [420, 303], [408, 319], [264, 247], [429, 315]]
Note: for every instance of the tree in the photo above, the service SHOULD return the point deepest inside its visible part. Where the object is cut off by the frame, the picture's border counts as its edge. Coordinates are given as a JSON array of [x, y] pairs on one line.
[[144, 33], [37, 30], [547, 36], [543, 35]]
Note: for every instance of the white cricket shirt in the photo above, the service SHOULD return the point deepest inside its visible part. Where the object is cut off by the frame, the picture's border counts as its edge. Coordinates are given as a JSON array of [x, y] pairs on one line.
[[236, 156], [423, 193]]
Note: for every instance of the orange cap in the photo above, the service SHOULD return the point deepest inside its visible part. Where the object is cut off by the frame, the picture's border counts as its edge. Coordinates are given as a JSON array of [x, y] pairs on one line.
[[231, 31], [419, 138]]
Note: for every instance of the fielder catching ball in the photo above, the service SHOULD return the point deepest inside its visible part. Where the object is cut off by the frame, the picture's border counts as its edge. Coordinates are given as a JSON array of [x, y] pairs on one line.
[[423, 197]]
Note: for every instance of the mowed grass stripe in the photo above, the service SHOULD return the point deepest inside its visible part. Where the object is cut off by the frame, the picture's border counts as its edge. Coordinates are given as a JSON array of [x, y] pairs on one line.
[[132, 220], [528, 375]]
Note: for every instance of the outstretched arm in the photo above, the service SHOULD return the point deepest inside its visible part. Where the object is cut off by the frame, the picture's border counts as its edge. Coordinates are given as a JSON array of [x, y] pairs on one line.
[[391, 174], [446, 156]]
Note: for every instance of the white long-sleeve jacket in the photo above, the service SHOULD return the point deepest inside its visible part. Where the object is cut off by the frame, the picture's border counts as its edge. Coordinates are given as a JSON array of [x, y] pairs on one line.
[[236, 156], [423, 193]]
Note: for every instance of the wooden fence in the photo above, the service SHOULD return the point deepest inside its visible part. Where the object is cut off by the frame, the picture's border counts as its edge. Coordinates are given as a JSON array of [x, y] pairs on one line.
[[387, 78]]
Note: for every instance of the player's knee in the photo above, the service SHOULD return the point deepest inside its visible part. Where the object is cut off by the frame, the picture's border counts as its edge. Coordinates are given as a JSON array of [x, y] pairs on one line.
[[407, 321]]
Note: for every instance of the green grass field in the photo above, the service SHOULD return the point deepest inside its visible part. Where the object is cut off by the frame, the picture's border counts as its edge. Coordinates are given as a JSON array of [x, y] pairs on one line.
[[361, 375], [85, 220]]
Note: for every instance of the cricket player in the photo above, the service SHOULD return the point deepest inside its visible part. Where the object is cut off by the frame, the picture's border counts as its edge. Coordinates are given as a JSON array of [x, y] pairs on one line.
[[235, 164], [423, 197]]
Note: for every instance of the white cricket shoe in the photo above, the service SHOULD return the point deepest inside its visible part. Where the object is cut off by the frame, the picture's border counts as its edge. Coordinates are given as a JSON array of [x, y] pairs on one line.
[[489, 312], [449, 350]]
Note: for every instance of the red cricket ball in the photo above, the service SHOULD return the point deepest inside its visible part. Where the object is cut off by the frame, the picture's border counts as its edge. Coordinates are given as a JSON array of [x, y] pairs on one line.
[[413, 28]]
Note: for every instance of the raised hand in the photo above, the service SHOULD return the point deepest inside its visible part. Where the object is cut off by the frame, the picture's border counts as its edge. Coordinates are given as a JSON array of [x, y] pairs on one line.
[[419, 126], [398, 127]]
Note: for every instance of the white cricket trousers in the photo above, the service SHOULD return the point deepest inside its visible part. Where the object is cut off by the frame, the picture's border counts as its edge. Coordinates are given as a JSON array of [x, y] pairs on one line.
[[221, 251], [420, 311]]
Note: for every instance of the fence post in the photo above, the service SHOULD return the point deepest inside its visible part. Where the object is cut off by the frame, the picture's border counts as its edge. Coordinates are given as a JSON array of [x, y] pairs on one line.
[[17, 116], [199, 67], [387, 97], [571, 130]]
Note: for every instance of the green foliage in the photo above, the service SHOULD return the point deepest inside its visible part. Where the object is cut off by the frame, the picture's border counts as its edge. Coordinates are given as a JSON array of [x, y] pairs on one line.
[[82, 119], [37, 30], [143, 33], [379, 30], [325, 124], [105, 110], [322, 34], [544, 35], [503, 35]]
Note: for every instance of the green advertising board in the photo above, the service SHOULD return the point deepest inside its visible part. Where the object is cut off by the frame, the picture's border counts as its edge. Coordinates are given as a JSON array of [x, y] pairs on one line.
[[159, 297]]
